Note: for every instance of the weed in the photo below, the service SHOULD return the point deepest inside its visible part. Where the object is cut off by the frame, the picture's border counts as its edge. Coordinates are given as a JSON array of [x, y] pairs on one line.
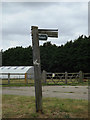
[[34, 115], [76, 87], [67, 116]]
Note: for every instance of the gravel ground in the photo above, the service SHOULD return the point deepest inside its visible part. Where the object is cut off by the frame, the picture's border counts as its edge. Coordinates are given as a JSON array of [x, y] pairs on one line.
[[73, 92]]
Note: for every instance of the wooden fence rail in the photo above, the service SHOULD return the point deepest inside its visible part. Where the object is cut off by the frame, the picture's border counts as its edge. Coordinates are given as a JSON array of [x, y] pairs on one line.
[[78, 77], [19, 78], [66, 77]]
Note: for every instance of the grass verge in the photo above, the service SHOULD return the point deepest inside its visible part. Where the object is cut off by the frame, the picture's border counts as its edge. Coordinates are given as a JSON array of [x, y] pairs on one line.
[[43, 84], [14, 106]]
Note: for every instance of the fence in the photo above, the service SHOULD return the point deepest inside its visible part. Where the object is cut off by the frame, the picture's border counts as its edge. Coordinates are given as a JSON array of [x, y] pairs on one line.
[[16, 78], [57, 78], [53, 78]]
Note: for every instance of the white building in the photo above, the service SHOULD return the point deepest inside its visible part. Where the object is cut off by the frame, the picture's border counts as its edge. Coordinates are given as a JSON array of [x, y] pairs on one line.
[[16, 72]]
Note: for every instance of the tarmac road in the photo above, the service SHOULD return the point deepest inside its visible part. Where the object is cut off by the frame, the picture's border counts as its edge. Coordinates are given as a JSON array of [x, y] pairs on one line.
[[73, 92]]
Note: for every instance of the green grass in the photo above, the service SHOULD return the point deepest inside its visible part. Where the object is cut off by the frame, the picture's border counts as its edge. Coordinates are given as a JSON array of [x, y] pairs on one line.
[[14, 106], [31, 83]]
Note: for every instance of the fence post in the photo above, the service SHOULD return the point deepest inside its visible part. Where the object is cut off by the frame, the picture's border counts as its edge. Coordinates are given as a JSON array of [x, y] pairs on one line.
[[26, 78], [80, 76], [8, 78], [66, 76], [44, 76], [1, 58]]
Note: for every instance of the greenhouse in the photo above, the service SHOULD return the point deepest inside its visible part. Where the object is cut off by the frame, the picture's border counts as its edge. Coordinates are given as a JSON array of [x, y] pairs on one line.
[[16, 72]]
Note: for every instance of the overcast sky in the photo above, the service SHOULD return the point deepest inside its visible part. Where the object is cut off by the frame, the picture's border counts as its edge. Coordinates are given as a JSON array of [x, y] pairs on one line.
[[71, 19]]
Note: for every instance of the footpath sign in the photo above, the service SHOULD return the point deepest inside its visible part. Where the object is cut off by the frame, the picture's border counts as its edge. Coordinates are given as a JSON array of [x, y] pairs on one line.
[[43, 36], [39, 34]]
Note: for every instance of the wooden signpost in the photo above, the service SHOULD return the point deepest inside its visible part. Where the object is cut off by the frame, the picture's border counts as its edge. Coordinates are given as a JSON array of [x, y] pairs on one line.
[[39, 34]]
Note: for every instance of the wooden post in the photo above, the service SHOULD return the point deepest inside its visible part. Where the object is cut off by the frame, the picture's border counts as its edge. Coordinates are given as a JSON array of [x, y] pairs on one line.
[[44, 76], [0, 58], [26, 78], [8, 78], [37, 68], [80, 76], [66, 76]]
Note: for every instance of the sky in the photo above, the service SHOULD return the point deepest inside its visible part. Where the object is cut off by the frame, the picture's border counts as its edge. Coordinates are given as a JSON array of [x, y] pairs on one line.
[[70, 18]]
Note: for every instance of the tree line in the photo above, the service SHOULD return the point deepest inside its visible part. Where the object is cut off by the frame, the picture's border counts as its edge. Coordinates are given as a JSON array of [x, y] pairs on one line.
[[71, 57]]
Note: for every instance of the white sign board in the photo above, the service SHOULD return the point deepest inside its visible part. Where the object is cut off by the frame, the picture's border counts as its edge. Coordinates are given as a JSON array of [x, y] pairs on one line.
[[43, 36]]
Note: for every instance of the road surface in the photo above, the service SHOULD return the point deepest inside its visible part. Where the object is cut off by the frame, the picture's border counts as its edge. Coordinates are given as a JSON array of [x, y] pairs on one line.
[[73, 92]]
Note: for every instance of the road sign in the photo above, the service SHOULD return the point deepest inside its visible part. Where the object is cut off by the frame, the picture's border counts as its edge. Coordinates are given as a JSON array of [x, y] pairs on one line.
[[43, 36], [49, 32]]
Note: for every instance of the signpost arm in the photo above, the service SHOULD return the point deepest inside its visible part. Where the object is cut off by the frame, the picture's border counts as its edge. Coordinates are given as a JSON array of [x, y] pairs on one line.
[[37, 69]]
